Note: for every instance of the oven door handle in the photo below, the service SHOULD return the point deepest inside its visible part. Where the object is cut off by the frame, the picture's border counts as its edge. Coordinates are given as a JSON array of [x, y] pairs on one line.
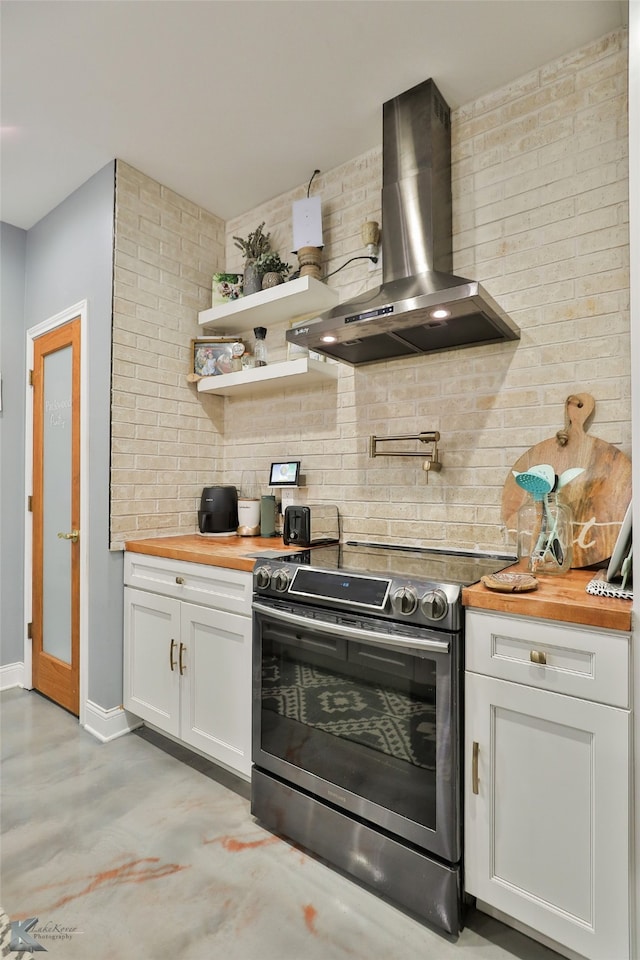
[[354, 633]]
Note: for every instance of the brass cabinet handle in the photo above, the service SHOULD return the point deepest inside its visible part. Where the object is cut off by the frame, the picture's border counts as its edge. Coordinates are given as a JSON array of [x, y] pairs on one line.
[[475, 780], [182, 649], [537, 656], [73, 536], [172, 662], [180, 580]]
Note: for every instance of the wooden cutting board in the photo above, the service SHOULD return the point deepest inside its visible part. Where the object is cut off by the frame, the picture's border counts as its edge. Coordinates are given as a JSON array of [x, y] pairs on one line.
[[598, 498]]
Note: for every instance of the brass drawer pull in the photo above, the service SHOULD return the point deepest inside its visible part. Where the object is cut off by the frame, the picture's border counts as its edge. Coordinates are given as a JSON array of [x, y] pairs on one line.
[[475, 781], [180, 580], [537, 656], [182, 649], [172, 662]]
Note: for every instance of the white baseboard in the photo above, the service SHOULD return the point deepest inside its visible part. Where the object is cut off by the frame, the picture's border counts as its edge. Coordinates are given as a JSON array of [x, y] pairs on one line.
[[107, 725], [11, 675], [103, 724]]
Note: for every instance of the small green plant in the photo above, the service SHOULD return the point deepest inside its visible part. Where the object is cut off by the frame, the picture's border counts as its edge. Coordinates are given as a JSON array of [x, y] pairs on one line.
[[226, 277], [256, 243], [270, 262]]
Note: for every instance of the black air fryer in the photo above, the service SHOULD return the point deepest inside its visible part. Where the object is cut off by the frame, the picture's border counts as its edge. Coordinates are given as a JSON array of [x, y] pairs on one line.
[[218, 513]]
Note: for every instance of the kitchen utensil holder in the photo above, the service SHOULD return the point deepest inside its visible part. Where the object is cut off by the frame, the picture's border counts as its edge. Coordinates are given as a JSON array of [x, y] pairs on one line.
[[427, 436], [545, 535]]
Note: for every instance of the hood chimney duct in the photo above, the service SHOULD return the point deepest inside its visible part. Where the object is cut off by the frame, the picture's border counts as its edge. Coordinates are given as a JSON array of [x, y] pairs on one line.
[[397, 318]]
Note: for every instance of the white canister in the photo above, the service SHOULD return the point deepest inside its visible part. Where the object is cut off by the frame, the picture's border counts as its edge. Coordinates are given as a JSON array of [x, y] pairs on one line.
[[248, 517]]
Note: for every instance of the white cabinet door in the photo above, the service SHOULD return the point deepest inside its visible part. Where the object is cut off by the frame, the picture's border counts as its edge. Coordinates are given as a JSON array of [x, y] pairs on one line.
[[151, 642], [216, 697], [546, 834]]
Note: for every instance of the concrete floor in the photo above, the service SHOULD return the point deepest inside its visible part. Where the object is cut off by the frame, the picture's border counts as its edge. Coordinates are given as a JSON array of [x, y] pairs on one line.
[[124, 851]]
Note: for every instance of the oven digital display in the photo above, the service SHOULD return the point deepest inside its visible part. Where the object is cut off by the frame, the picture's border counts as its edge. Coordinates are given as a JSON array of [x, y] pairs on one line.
[[350, 588]]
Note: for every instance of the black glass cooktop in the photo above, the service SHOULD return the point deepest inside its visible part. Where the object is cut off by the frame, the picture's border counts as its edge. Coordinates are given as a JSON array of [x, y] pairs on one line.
[[445, 566]]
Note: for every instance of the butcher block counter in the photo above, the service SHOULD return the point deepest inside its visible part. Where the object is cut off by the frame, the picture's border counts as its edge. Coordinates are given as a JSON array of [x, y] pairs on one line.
[[236, 553], [561, 598]]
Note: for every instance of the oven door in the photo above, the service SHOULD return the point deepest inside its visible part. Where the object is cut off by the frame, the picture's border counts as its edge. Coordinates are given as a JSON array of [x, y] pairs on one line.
[[364, 715]]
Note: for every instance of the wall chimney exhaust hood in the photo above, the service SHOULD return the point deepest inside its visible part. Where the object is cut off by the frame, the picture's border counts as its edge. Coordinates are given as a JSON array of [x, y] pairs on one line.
[[420, 307]]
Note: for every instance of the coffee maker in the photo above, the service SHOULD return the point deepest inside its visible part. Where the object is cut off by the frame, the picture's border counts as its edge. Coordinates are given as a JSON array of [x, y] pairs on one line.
[[218, 513]]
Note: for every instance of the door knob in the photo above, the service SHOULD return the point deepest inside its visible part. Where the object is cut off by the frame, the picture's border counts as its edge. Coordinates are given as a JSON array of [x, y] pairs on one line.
[[73, 536]]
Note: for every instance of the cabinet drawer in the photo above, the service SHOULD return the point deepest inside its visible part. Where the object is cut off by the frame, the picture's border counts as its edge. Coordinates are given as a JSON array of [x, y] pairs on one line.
[[563, 658], [195, 582]]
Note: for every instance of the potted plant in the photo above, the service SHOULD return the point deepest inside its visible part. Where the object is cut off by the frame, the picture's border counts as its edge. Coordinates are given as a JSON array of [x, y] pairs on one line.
[[272, 269], [255, 244]]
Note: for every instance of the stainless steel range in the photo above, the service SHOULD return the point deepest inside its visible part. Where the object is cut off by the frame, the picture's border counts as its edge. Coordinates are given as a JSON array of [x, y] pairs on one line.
[[357, 713]]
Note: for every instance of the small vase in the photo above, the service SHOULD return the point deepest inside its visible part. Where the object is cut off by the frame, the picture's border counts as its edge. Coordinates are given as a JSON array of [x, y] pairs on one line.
[[310, 260], [252, 282], [545, 535], [271, 280]]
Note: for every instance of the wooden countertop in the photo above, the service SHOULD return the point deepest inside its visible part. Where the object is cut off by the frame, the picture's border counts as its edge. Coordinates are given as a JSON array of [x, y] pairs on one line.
[[557, 598], [236, 553]]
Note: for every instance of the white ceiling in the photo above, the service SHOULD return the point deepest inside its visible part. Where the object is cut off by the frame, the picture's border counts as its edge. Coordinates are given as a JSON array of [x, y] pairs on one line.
[[232, 102]]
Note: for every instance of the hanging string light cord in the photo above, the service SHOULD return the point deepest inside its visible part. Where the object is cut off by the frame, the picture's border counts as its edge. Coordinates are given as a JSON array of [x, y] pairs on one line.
[[314, 174], [347, 262]]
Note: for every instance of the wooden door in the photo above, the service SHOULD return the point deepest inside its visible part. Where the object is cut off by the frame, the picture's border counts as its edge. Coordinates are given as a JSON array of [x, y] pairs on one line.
[[56, 515]]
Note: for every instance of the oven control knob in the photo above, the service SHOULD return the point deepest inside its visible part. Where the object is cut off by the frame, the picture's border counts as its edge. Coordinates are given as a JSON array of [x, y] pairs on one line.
[[280, 580], [405, 601], [434, 605], [263, 578]]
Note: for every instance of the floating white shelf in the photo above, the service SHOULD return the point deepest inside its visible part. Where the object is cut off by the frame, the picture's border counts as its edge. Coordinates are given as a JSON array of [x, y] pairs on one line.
[[272, 377], [294, 300]]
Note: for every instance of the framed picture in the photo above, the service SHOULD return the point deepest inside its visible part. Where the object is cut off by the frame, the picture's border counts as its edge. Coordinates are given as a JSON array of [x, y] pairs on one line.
[[225, 288], [213, 356]]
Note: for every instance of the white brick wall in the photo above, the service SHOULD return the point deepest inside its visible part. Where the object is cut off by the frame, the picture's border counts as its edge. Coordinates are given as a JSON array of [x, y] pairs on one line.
[[540, 218], [540, 200], [166, 441]]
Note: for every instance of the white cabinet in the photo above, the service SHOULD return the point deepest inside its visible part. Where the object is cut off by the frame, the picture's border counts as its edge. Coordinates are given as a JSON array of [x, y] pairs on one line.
[[151, 679], [187, 665], [547, 795], [216, 707]]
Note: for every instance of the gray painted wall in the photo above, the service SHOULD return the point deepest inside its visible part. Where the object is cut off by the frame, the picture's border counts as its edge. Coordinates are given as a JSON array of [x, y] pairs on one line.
[[13, 245], [68, 259]]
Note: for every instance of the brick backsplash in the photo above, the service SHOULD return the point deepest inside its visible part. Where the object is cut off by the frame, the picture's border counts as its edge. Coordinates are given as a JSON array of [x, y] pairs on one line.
[[540, 217], [167, 442]]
